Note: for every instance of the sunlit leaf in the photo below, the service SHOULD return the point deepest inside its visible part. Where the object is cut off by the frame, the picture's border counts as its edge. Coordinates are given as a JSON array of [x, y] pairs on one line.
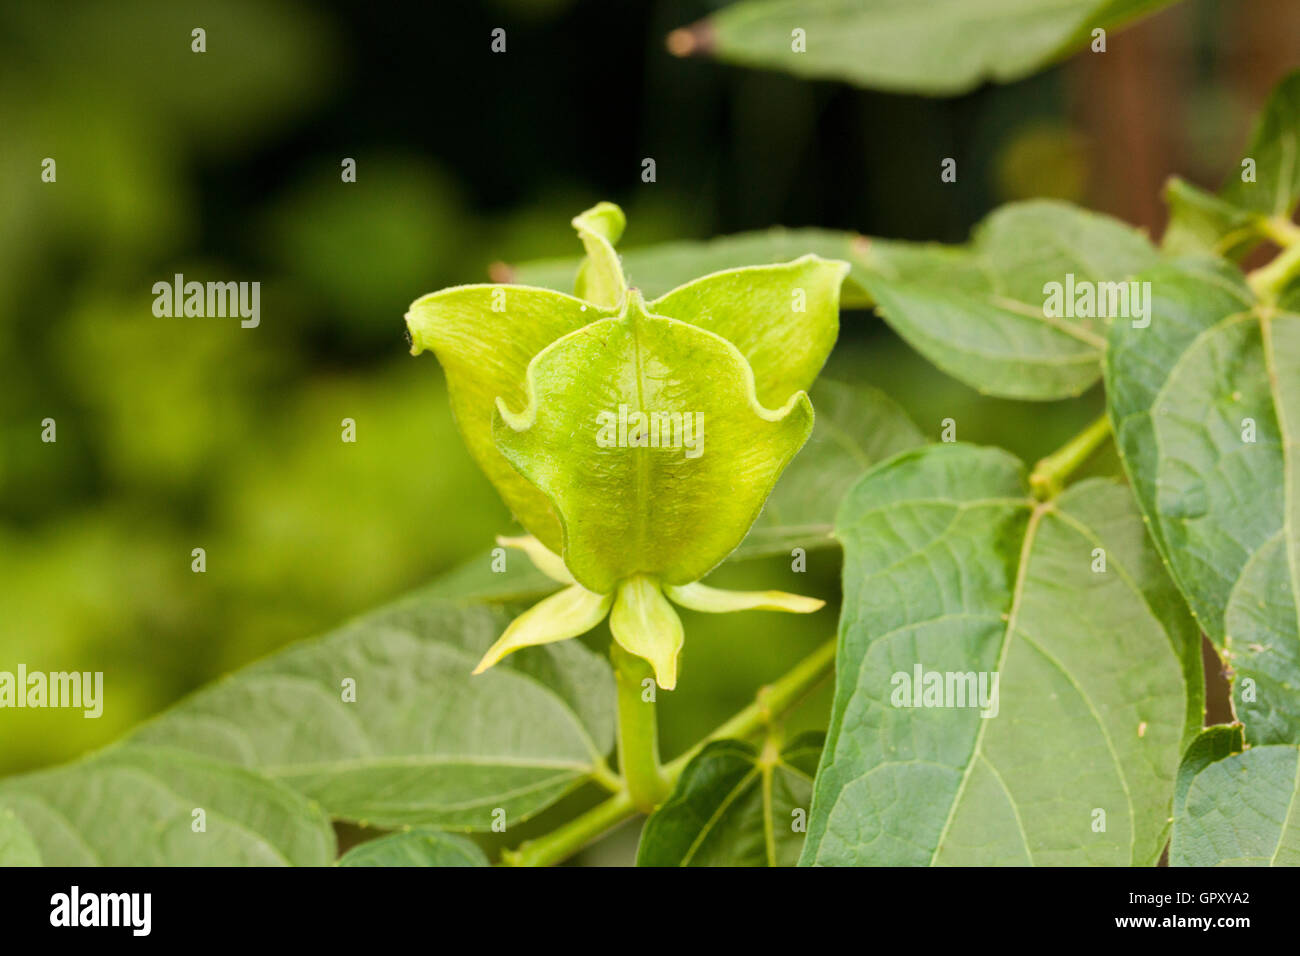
[[419, 847]]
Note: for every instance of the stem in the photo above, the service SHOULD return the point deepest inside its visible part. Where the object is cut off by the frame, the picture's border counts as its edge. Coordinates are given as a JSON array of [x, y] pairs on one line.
[[638, 731], [771, 700], [1049, 475], [1269, 279]]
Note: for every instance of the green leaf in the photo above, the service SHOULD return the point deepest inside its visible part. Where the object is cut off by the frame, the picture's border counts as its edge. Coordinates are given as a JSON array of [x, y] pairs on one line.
[[857, 426], [932, 47], [678, 503], [1237, 219], [987, 325], [424, 741], [735, 806], [419, 847], [1243, 810], [952, 569], [485, 353], [1210, 745], [17, 848], [134, 806], [977, 311], [1185, 395]]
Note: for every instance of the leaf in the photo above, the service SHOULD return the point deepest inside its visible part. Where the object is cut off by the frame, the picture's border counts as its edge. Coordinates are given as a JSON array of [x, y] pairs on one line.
[[734, 806], [932, 47], [485, 352], [952, 569], [1184, 395], [424, 741], [993, 331], [134, 806], [1237, 219], [856, 427], [1210, 745], [1243, 810], [677, 504], [977, 311], [17, 848], [419, 847]]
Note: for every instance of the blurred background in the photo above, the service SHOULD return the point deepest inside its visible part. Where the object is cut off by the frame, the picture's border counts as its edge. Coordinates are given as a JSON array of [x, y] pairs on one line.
[[175, 434]]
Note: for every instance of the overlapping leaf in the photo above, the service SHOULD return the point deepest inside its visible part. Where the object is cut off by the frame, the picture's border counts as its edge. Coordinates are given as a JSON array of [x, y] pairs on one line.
[[735, 805], [132, 806], [1240, 810], [418, 847], [424, 742], [951, 568], [934, 47], [1206, 409], [1237, 219]]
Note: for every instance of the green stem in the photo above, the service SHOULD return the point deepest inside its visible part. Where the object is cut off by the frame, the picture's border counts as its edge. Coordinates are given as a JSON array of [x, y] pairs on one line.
[[638, 731], [771, 700], [1269, 280], [1049, 475]]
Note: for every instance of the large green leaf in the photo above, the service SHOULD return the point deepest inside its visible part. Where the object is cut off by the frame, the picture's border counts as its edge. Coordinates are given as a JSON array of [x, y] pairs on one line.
[[676, 504], [1242, 810], [424, 741], [977, 311], [856, 427], [418, 847], [951, 568], [934, 47], [1235, 220], [735, 806], [1206, 409], [133, 806]]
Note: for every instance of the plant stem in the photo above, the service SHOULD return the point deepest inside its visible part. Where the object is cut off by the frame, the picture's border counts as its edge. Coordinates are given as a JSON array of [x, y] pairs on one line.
[[1049, 475], [638, 731], [1269, 279], [771, 700]]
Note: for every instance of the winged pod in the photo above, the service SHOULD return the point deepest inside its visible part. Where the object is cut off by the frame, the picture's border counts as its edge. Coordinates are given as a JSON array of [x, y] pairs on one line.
[[635, 441]]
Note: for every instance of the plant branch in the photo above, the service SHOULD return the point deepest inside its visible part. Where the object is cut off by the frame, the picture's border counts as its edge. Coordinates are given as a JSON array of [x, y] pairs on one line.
[[771, 700], [1049, 475]]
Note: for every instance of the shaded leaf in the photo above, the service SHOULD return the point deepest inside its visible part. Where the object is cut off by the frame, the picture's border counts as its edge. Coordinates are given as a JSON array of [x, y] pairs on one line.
[[134, 806], [857, 426], [952, 569], [1206, 409], [424, 742], [1210, 745], [735, 806], [1243, 810], [419, 847], [933, 47]]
